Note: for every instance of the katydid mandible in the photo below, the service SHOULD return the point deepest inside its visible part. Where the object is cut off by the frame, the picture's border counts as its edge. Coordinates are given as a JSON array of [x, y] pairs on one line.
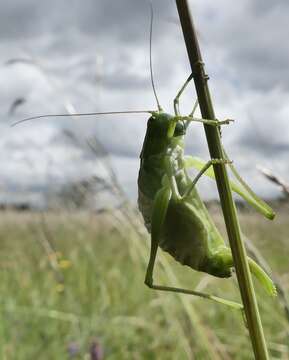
[[172, 209]]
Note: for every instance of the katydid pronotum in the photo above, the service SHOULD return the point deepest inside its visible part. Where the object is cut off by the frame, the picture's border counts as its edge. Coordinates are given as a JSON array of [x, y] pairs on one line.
[[172, 209]]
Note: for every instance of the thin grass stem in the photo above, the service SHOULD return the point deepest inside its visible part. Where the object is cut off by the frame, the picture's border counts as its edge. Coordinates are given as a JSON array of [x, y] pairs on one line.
[[227, 203]]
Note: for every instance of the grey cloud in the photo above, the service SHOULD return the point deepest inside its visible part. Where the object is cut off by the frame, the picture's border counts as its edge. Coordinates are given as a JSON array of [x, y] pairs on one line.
[[125, 20], [266, 147], [263, 6], [17, 18], [241, 53], [249, 42]]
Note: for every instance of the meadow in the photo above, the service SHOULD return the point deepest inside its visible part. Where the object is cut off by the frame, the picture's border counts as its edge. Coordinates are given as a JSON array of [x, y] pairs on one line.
[[71, 287]]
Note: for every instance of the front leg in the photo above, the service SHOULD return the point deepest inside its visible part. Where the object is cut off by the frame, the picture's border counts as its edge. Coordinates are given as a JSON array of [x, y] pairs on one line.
[[216, 122], [177, 98]]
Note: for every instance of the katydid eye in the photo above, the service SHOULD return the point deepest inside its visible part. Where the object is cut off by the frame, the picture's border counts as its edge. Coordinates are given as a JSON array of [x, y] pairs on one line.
[[180, 129]]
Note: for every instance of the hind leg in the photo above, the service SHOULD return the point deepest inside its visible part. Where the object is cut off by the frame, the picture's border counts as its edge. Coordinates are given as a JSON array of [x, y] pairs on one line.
[[227, 259], [159, 212]]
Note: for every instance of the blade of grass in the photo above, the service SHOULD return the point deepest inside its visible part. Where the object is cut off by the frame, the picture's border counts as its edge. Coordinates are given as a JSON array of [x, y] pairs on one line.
[[227, 203]]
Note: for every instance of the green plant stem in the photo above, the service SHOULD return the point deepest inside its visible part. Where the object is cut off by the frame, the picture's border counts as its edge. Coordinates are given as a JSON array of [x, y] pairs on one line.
[[227, 203]]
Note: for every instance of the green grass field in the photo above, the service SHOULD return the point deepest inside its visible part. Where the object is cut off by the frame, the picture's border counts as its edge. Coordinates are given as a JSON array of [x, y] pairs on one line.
[[78, 281]]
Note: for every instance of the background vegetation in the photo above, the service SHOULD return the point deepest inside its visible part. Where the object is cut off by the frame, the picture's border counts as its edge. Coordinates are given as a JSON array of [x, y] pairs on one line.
[[72, 287]]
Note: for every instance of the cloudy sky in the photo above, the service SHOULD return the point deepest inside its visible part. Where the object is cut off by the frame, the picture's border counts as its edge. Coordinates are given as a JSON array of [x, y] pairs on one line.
[[93, 55]]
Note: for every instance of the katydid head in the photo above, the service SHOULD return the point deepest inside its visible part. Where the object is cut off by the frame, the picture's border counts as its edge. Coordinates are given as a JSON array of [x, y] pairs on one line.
[[164, 125], [164, 131]]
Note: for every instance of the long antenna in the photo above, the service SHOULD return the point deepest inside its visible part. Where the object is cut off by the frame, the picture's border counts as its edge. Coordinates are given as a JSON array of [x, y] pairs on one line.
[[151, 67], [83, 114]]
